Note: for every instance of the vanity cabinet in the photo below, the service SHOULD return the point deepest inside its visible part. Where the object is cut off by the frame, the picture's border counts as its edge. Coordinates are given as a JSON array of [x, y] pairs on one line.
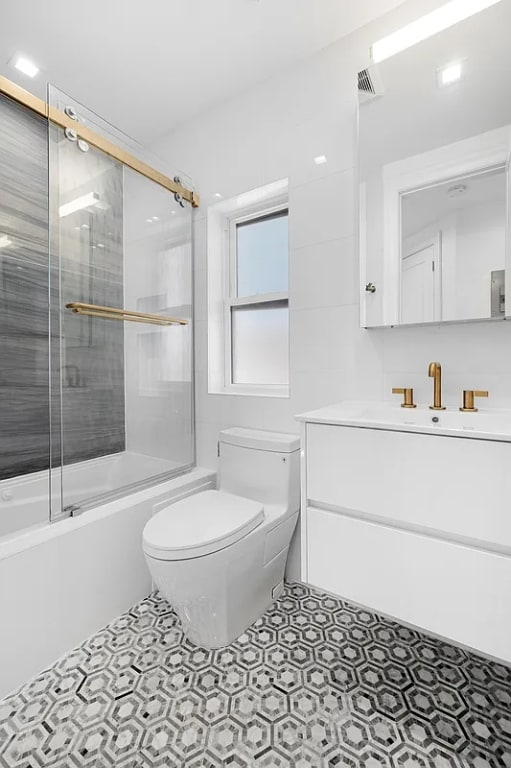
[[414, 526]]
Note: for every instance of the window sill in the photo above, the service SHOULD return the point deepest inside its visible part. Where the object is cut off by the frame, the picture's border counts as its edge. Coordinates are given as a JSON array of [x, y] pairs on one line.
[[255, 391]]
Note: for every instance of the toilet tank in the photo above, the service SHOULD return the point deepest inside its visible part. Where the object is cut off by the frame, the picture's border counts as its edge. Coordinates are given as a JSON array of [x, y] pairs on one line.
[[260, 465]]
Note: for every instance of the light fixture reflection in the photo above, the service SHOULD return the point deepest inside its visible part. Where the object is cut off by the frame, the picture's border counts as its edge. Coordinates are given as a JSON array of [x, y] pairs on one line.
[[78, 204], [5, 241]]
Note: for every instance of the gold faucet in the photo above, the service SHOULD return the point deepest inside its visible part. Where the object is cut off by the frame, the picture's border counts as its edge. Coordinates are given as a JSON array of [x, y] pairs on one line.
[[435, 371], [407, 396], [468, 399]]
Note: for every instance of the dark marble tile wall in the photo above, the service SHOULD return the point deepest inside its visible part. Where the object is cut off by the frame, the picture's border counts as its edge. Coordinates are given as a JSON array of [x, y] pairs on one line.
[[24, 395], [87, 402]]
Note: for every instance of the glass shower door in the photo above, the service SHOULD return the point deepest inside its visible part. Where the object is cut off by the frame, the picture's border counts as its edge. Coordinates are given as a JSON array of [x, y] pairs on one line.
[[122, 247], [158, 364]]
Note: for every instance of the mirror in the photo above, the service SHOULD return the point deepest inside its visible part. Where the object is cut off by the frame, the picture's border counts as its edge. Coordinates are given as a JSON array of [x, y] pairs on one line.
[[435, 142]]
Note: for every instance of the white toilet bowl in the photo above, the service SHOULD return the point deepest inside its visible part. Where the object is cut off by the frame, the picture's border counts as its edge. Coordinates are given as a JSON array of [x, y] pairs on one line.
[[219, 556]]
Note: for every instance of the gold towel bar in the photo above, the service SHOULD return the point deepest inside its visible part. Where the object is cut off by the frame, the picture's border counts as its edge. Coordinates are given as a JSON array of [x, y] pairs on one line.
[[113, 313]]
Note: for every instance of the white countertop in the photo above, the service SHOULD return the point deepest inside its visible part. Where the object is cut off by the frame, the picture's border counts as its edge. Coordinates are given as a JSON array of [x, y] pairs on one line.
[[485, 424]]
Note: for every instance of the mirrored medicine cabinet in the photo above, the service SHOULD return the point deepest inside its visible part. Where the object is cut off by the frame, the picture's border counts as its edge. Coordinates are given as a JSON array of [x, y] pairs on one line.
[[435, 190]]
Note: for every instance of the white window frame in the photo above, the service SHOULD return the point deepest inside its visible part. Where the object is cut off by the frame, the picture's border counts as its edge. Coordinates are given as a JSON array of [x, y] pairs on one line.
[[231, 300], [223, 220]]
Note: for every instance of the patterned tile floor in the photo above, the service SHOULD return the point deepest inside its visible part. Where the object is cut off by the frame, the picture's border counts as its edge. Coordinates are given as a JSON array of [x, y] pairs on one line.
[[315, 682]]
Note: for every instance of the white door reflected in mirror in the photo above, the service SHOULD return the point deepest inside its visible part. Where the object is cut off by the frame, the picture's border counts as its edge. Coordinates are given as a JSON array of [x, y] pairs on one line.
[[421, 299]]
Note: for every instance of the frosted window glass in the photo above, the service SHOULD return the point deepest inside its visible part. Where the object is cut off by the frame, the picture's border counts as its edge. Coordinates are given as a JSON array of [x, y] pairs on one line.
[[262, 256], [260, 343]]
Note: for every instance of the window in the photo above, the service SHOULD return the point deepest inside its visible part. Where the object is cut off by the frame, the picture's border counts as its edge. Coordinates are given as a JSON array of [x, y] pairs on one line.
[[257, 304], [255, 317]]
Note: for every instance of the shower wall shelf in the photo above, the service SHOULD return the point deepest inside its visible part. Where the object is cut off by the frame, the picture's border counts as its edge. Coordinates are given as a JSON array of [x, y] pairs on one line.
[[114, 313]]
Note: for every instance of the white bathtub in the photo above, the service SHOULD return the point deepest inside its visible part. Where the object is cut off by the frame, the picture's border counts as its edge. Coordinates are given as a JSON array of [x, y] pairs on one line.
[[24, 500], [60, 582]]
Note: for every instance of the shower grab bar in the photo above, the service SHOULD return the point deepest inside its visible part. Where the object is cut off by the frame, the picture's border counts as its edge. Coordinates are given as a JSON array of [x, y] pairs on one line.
[[113, 313]]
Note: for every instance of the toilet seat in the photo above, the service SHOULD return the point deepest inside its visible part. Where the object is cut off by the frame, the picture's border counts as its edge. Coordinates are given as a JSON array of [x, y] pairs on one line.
[[200, 524]]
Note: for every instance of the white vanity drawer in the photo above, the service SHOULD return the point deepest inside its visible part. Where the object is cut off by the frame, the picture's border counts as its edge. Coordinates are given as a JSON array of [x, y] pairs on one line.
[[388, 475], [449, 589]]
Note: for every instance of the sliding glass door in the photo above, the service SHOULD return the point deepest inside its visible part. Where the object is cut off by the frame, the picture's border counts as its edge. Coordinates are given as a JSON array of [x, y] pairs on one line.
[[121, 247]]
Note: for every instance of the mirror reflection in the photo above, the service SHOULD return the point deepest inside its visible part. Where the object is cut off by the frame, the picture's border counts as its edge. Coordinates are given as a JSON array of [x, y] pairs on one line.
[[453, 248], [435, 140]]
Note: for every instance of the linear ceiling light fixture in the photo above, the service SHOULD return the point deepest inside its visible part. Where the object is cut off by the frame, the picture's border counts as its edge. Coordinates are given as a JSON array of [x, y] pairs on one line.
[[79, 203], [427, 26]]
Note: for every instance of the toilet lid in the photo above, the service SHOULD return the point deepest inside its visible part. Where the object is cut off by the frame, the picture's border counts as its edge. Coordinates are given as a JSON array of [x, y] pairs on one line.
[[200, 524]]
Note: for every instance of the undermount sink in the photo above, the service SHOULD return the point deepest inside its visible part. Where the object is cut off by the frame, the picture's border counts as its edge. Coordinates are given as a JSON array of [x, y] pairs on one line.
[[483, 424]]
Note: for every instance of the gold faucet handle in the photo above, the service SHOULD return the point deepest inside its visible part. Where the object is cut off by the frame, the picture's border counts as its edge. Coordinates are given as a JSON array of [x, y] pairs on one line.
[[408, 396], [468, 399]]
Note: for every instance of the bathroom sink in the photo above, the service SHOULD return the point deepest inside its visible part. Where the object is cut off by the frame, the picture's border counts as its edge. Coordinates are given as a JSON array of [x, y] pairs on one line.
[[482, 425]]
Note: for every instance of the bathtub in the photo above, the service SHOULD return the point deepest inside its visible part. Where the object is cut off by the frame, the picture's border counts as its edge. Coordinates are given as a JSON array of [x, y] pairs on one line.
[[60, 582], [24, 499]]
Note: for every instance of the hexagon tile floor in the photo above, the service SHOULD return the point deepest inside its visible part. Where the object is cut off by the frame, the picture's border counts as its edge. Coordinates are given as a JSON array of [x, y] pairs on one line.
[[315, 682]]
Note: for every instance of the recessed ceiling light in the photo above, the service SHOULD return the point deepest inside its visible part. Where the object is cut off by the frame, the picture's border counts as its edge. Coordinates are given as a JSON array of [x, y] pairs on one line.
[[320, 159], [436, 21], [22, 64], [149, 221], [217, 194], [450, 74], [5, 241], [156, 218], [100, 245]]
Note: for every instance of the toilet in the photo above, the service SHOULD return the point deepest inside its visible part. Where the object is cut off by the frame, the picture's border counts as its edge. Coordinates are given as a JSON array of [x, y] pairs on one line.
[[219, 556]]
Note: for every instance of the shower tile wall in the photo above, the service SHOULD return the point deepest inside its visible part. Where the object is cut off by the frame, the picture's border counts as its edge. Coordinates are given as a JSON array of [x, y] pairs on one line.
[[24, 396], [92, 350]]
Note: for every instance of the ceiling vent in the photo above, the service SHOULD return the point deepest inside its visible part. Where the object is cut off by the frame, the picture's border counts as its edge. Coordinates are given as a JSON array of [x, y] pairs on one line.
[[369, 85]]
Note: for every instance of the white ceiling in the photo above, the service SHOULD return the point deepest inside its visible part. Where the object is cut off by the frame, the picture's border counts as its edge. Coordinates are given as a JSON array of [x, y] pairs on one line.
[[425, 207], [147, 66]]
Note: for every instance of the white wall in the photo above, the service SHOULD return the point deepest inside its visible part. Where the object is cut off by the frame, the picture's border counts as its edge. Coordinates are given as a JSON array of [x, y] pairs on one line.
[[272, 132]]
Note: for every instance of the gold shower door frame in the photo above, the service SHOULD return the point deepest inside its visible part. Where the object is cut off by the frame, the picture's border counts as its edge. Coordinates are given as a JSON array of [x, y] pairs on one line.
[[57, 117]]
